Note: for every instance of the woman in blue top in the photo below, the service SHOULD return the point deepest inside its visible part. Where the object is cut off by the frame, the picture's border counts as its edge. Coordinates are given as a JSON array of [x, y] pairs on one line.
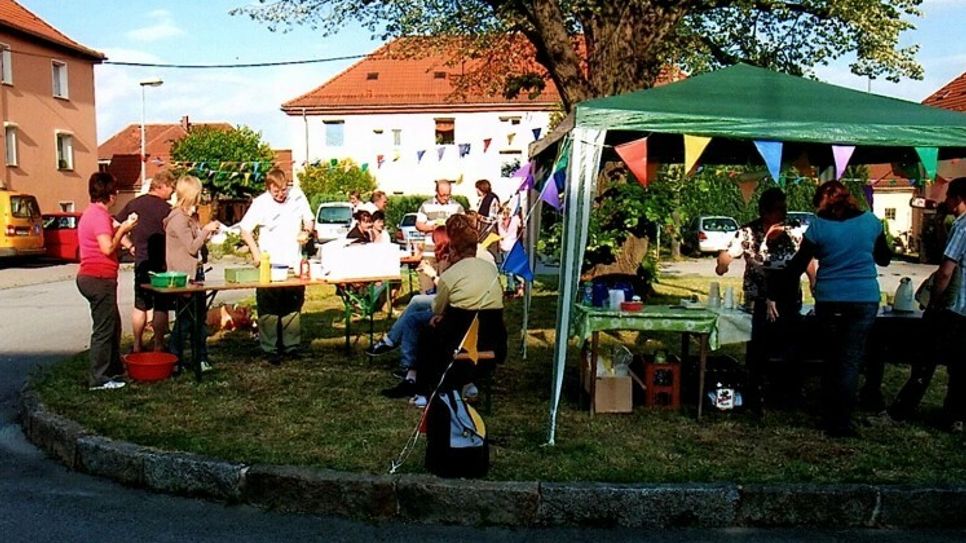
[[848, 243]]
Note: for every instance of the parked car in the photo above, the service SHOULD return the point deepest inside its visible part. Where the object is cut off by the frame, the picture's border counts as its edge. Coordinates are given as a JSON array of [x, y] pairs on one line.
[[799, 220], [21, 226], [406, 230], [333, 220], [60, 236], [709, 234]]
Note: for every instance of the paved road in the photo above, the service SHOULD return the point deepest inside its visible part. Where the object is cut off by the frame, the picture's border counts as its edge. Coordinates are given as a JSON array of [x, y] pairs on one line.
[[41, 501]]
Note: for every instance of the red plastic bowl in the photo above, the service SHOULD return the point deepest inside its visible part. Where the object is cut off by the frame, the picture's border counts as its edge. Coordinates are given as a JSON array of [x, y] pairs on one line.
[[150, 366], [632, 306]]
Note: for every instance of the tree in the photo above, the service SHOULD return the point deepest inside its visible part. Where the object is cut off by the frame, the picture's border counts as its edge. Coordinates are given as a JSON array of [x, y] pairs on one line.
[[591, 48], [334, 180], [230, 163]]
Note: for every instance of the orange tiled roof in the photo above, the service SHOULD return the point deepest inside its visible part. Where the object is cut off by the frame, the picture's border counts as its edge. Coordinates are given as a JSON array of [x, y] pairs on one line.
[[951, 96], [17, 17], [387, 80], [157, 141]]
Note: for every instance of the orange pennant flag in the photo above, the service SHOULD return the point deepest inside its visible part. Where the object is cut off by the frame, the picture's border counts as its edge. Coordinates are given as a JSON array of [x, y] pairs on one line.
[[634, 154], [471, 339], [748, 187], [693, 147]]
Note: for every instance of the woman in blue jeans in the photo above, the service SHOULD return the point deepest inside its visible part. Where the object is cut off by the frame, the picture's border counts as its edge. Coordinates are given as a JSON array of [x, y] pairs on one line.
[[848, 243]]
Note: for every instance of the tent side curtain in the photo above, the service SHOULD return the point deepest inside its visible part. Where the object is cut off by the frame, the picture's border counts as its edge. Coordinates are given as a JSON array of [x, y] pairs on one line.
[[581, 181]]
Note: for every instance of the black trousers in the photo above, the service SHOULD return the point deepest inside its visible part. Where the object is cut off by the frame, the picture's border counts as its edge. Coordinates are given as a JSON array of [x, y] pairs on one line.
[[771, 340], [437, 345], [105, 353]]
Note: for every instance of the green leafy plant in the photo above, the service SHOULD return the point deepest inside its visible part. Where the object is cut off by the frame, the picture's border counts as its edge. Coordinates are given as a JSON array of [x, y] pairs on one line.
[[325, 181]]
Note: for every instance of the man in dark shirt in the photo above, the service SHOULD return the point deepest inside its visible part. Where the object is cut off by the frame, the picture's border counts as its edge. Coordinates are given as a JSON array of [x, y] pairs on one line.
[[147, 242]]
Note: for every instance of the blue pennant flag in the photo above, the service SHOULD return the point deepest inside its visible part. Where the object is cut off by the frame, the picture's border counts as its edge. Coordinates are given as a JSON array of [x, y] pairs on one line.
[[560, 179], [419, 155], [464, 149], [536, 133], [516, 262], [771, 151]]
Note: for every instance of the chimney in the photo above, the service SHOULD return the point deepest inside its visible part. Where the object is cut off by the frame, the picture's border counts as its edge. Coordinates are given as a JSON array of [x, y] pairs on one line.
[[185, 123]]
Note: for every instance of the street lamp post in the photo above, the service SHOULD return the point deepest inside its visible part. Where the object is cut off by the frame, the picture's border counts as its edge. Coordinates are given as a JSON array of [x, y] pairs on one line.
[[156, 82]]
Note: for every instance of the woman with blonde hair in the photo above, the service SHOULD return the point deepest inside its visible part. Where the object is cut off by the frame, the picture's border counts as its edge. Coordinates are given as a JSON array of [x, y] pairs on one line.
[[184, 239]]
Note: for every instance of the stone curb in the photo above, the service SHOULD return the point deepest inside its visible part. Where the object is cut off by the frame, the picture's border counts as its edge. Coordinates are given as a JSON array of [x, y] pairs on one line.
[[427, 499]]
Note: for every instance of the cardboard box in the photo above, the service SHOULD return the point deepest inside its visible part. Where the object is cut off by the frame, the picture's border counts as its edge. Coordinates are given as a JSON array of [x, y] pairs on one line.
[[614, 394]]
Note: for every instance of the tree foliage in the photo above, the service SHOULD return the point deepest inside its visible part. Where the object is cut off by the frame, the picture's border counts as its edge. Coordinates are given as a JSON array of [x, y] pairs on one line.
[[230, 163], [328, 181], [594, 48]]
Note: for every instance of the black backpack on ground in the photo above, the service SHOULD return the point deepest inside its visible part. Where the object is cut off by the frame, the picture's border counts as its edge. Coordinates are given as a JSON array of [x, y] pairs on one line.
[[456, 444]]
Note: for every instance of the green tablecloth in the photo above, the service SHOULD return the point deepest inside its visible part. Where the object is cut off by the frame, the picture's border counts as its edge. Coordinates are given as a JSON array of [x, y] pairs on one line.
[[664, 318]]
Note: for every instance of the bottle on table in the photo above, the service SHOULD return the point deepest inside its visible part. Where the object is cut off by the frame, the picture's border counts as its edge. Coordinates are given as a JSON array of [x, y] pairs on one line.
[[265, 268]]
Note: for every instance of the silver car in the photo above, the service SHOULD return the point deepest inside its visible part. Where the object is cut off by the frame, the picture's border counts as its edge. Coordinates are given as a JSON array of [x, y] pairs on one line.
[[333, 220]]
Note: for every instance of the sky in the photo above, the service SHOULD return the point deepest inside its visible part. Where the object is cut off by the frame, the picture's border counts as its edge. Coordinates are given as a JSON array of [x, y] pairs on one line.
[[198, 32]]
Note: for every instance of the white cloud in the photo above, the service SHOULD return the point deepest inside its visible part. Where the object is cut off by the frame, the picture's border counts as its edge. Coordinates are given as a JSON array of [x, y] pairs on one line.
[[163, 26]]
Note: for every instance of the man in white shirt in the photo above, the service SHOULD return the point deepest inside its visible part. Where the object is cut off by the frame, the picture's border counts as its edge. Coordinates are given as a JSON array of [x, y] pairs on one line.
[[433, 213], [283, 219]]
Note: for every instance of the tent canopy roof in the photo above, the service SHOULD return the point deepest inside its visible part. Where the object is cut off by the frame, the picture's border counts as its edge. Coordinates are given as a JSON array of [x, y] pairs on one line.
[[746, 102]]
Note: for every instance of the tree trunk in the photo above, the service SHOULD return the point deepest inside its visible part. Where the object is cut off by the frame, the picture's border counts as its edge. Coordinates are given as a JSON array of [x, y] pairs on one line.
[[631, 254]]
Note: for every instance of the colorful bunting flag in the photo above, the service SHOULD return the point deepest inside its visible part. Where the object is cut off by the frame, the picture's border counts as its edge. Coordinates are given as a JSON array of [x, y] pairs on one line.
[[748, 187], [693, 147], [395, 155], [842, 154], [364, 167], [868, 191], [523, 171], [516, 261], [527, 183], [490, 239], [930, 160], [536, 133], [771, 152], [486, 144], [464, 149], [333, 162], [509, 138], [419, 155], [379, 160], [471, 340], [551, 194], [634, 154], [439, 152]]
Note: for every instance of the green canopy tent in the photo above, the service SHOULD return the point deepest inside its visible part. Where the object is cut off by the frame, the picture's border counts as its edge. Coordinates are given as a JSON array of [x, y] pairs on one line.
[[735, 106]]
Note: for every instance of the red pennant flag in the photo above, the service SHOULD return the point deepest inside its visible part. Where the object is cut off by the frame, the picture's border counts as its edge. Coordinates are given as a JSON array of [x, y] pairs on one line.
[[634, 154], [486, 144]]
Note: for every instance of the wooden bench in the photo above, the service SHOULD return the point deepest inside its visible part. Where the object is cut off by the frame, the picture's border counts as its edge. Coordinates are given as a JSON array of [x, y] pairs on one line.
[[486, 383]]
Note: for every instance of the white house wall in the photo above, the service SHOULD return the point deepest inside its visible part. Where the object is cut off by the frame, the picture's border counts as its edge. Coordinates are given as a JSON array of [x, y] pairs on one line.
[[401, 171], [898, 200]]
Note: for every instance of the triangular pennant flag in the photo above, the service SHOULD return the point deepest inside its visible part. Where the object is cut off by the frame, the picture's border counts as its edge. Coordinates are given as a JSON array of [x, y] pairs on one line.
[[439, 152], [379, 160], [560, 179], [471, 340], [634, 154], [693, 147], [527, 183], [536, 133], [930, 160], [256, 166], [842, 154], [771, 152], [523, 171], [364, 167], [509, 138], [395, 155], [334, 162], [247, 176], [464, 149], [490, 239], [868, 190], [516, 261], [419, 155], [486, 144], [551, 194], [748, 187]]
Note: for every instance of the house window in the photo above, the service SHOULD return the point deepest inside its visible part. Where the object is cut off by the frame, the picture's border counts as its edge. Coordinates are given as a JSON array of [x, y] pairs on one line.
[[10, 142], [890, 213], [65, 151], [445, 131], [6, 64], [439, 75], [512, 120], [59, 75], [372, 76], [396, 137], [334, 133]]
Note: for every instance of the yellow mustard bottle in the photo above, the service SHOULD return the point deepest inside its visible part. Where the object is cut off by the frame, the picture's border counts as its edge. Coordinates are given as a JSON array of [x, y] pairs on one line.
[[264, 269]]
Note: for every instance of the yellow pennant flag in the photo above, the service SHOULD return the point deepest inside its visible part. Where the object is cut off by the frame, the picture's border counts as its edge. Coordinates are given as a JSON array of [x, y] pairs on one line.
[[491, 239], [470, 340], [693, 147]]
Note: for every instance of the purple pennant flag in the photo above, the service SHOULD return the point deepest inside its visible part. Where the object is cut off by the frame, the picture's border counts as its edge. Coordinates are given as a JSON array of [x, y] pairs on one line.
[[536, 133], [516, 262], [419, 155], [842, 154], [439, 152], [464, 149], [551, 194], [522, 171], [867, 190], [527, 183], [771, 151]]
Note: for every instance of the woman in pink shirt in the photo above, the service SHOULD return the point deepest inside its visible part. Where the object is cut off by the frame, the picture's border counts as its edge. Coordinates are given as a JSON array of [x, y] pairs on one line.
[[99, 237]]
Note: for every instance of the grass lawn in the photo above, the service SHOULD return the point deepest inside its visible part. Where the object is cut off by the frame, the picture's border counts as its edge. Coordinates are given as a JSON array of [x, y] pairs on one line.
[[325, 411]]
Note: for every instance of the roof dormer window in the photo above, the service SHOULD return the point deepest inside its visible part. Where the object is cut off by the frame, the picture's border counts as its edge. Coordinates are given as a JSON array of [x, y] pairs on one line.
[[439, 75], [372, 76]]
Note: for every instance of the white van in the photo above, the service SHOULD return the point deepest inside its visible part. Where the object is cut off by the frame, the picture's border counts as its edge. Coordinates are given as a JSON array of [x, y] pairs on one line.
[[333, 220]]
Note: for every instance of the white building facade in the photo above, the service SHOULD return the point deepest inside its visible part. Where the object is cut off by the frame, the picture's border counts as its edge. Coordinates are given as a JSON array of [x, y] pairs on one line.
[[409, 123]]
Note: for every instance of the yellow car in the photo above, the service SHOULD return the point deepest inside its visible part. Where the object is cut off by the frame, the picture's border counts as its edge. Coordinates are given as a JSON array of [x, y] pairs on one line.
[[21, 226]]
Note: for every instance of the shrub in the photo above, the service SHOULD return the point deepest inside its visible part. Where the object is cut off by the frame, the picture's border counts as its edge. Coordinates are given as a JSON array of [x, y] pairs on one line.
[[333, 181]]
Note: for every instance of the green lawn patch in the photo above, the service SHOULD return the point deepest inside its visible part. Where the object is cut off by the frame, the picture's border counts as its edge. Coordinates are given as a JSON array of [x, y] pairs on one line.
[[325, 411]]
